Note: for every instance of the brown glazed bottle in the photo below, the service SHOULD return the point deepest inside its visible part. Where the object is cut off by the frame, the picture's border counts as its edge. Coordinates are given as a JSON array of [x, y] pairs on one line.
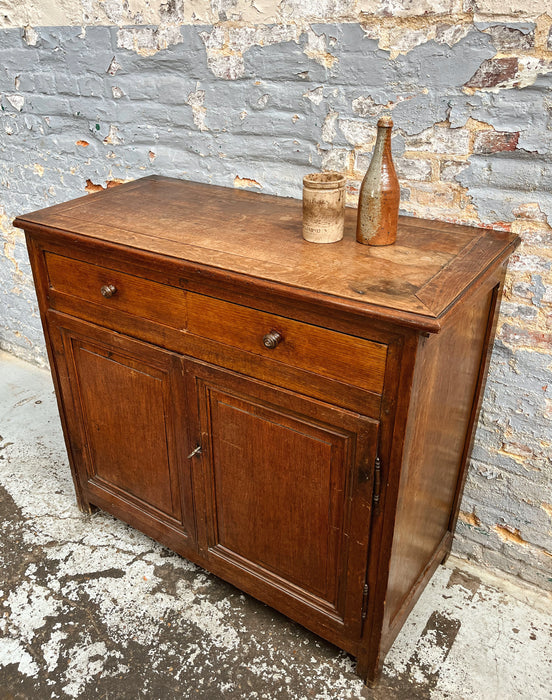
[[378, 202]]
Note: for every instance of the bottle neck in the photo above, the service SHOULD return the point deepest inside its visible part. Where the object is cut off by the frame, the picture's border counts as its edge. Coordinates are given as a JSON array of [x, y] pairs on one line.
[[383, 144]]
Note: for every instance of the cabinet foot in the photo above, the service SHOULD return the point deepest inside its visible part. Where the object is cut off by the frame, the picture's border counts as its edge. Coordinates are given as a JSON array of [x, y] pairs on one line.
[[369, 670], [448, 548], [86, 507]]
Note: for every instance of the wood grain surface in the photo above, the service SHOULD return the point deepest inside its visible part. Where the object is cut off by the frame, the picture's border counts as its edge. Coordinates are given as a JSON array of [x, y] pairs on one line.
[[133, 295], [345, 358], [259, 236]]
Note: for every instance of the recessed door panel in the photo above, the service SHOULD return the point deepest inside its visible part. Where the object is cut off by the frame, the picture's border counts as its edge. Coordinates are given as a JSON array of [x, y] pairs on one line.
[[128, 440], [279, 486]]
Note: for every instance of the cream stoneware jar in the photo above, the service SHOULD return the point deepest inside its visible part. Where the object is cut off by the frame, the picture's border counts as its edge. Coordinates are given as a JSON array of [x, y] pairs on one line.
[[323, 207]]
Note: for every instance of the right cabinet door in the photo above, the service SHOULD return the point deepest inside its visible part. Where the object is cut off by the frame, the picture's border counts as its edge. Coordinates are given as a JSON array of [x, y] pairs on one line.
[[287, 486]]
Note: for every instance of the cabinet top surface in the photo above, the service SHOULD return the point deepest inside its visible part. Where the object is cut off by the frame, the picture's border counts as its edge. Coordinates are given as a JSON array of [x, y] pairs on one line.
[[260, 236]]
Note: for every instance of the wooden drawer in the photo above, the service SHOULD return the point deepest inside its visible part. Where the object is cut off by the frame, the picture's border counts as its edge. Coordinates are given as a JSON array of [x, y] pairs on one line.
[[139, 297], [347, 358]]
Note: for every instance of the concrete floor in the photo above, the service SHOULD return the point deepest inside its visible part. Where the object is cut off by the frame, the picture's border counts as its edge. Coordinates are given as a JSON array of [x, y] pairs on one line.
[[93, 609]]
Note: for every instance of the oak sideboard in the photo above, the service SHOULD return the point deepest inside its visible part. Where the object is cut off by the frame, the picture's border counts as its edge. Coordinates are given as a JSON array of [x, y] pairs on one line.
[[295, 418]]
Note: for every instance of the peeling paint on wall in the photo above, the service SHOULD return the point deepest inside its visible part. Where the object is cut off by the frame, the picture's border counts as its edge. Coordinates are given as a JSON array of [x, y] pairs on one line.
[[257, 94]]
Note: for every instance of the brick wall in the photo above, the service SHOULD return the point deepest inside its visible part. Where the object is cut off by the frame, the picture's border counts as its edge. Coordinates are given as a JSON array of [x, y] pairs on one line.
[[256, 94]]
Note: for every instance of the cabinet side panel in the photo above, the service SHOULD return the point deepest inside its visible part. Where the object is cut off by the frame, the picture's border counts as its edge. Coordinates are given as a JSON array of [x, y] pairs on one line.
[[443, 394], [57, 365]]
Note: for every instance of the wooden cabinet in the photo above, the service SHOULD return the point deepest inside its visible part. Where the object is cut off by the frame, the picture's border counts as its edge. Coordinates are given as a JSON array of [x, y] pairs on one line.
[[294, 417]]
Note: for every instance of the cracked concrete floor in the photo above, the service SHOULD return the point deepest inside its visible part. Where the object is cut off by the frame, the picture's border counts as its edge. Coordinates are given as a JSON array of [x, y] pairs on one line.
[[90, 608]]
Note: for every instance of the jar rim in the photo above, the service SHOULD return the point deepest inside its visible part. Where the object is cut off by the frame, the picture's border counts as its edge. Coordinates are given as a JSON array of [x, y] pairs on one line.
[[324, 181]]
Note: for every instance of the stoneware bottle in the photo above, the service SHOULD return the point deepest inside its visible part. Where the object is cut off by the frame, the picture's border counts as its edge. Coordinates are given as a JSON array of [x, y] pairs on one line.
[[378, 203]]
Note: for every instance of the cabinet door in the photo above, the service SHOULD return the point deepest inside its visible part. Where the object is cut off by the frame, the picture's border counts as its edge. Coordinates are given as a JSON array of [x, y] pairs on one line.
[[125, 407], [288, 483]]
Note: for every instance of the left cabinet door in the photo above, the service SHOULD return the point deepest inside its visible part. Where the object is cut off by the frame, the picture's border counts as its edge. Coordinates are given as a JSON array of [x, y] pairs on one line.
[[127, 422]]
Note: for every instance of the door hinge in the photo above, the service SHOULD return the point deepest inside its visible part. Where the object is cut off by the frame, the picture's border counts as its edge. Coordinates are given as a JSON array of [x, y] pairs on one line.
[[377, 483], [365, 592]]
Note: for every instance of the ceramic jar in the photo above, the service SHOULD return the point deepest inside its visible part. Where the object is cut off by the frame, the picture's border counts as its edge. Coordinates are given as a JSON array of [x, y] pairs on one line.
[[323, 207]]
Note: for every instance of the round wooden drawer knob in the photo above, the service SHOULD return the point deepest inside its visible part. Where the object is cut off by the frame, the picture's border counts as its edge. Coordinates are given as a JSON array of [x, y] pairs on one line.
[[108, 290], [272, 339]]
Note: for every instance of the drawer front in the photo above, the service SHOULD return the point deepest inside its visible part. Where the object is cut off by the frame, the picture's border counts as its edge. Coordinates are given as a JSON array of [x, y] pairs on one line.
[[331, 354], [115, 290]]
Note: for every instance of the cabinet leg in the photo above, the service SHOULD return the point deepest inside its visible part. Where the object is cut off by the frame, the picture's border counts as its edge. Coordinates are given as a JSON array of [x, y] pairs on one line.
[[369, 669], [447, 552], [85, 506]]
